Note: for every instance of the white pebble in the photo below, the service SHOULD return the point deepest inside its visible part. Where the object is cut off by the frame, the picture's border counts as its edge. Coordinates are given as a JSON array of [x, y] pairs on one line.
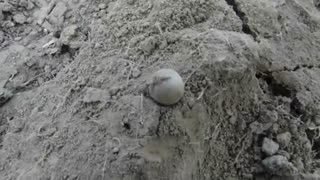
[[167, 87]]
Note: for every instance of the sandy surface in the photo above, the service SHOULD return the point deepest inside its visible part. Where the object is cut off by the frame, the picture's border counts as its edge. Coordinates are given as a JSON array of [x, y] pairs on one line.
[[74, 104]]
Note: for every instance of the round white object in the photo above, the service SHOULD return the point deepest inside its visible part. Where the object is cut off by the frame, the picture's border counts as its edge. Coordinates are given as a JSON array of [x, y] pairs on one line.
[[167, 87]]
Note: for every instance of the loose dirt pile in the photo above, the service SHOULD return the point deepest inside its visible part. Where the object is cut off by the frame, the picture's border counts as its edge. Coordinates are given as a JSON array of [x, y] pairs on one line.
[[74, 104]]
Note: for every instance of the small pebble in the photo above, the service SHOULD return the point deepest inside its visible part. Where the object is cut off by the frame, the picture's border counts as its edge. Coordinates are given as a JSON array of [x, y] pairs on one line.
[[20, 18], [102, 6], [8, 24], [269, 146], [115, 150], [279, 165], [284, 139], [17, 38], [166, 87], [268, 116]]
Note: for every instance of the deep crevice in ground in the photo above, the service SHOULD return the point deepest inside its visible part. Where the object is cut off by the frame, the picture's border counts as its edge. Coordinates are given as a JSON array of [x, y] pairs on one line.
[[245, 27]]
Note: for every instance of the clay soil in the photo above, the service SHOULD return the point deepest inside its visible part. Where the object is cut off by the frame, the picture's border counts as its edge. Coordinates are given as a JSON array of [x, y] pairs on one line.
[[74, 104]]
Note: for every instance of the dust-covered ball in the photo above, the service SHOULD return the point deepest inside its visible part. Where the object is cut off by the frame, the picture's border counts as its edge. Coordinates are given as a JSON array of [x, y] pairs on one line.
[[166, 87]]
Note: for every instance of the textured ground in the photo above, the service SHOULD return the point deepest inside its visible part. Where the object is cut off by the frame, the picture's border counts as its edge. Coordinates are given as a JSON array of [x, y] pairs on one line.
[[73, 103]]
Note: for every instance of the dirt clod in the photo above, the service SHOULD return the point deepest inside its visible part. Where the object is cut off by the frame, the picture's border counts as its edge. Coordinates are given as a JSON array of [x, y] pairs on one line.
[[269, 146]]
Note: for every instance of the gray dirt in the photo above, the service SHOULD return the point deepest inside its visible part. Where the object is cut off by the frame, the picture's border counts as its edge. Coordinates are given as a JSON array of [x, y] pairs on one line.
[[74, 105]]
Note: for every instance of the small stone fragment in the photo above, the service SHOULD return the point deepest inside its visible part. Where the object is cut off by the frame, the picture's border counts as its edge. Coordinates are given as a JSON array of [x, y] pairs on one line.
[[102, 6], [269, 147], [17, 38], [279, 165], [115, 150], [30, 6], [20, 18], [268, 116], [284, 139], [23, 3], [8, 24], [259, 128], [6, 7], [57, 14], [166, 87]]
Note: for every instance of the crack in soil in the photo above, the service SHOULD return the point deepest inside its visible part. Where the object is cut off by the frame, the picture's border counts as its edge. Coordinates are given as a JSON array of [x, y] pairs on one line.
[[245, 27]]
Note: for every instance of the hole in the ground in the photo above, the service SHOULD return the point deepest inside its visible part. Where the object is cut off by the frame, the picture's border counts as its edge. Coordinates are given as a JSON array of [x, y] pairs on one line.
[[280, 90], [6, 13], [127, 126], [296, 68], [65, 49], [312, 134], [296, 108], [275, 88], [57, 34], [246, 29]]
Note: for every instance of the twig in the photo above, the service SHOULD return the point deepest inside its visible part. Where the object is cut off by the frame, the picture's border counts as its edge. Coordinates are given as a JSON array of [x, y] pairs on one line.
[[202, 93], [141, 109], [216, 132]]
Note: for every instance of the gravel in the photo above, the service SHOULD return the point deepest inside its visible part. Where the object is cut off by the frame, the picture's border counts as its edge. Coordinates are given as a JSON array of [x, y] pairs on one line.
[[269, 146]]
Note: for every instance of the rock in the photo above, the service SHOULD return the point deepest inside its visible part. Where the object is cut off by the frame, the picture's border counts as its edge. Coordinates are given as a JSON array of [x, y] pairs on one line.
[[57, 14], [267, 116], [30, 6], [284, 139], [166, 87], [8, 24], [269, 147], [17, 38], [72, 36], [6, 7], [68, 33], [102, 6], [20, 18], [279, 165], [259, 128], [23, 3]]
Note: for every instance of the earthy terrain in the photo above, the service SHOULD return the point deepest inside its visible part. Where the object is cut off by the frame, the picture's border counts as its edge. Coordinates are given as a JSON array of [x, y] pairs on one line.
[[74, 102]]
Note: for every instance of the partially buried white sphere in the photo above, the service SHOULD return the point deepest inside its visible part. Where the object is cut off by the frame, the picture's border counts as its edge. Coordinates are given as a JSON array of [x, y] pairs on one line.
[[167, 87]]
